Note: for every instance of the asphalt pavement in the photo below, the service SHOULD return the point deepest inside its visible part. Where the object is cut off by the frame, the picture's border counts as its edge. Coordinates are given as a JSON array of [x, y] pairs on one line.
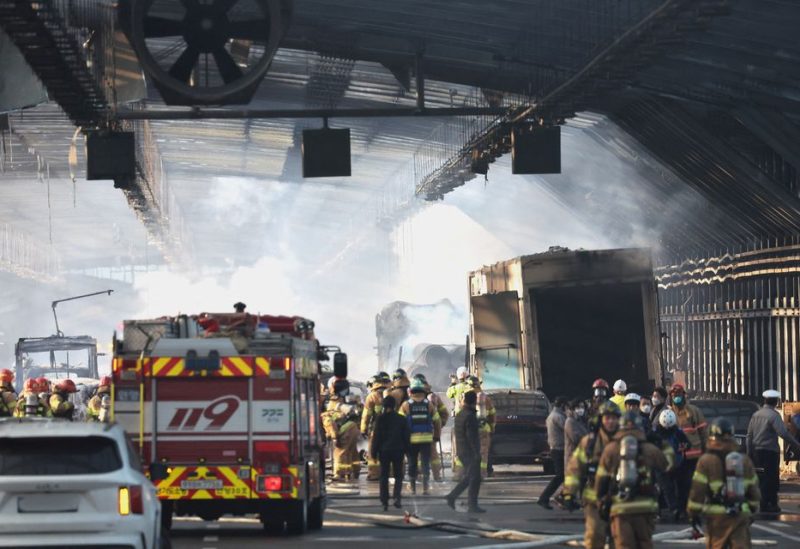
[[355, 518]]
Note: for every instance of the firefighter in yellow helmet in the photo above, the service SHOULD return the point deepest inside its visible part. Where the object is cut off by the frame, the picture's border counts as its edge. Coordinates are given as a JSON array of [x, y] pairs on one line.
[[444, 415], [30, 402], [724, 490], [59, 400], [8, 396], [373, 407], [340, 420], [626, 487], [455, 392], [486, 421], [98, 407], [581, 470]]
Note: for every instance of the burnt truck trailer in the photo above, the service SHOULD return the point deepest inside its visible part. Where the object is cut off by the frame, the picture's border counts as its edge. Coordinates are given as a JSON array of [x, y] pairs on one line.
[[560, 319]]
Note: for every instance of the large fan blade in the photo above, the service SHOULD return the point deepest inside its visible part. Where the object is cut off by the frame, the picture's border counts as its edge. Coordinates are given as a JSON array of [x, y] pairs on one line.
[[156, 27], [228, 68], [182, 69], [257, 31], [224, 5]]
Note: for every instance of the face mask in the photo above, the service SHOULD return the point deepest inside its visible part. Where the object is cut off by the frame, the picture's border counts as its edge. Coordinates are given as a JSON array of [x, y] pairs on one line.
[[657, 401], [678, 400], [646, 408], [579, 412], [599, 392]]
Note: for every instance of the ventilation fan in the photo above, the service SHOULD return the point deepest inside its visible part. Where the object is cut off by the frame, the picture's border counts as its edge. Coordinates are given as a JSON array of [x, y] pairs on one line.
[[206, 52]]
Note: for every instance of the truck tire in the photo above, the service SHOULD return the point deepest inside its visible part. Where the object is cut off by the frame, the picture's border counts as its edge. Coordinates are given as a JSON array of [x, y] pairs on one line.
[[315, 514], [166, 516], [273, 525], [297, 520]]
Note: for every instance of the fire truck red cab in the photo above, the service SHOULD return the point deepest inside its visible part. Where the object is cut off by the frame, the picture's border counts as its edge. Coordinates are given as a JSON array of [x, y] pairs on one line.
[[223, 410]]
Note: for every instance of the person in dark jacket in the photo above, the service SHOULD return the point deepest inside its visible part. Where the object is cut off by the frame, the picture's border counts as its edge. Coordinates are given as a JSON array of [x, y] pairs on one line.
[[389, 445], [469, 453]]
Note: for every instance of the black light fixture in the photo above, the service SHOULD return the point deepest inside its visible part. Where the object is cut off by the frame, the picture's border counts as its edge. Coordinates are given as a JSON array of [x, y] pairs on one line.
[[326, 152], [536, 150], [111, 155]]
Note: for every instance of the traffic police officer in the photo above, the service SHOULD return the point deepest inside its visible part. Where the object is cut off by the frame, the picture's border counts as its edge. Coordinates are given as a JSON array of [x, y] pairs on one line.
[[724, 490], [626, 487], [763, 431]]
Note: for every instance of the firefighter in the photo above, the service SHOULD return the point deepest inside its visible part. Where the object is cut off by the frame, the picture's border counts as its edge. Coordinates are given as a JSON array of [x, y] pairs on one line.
[[626, 486], [60, 404], [763, 431], [581, 471], [458, 386], [97, 409], [444, 415], [633, 403], [692, 422], [724, 490], [620, 388], [599, 396], [399, 388], [8, 396], [340, 421], [373, 407], [425, 427], [30, 403], [486, 421]]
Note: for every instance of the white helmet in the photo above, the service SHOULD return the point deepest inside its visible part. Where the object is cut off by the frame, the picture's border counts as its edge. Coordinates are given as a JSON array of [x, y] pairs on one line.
[[620, 386], [632, 397], [667, 418], [771, 393], [461, 373]]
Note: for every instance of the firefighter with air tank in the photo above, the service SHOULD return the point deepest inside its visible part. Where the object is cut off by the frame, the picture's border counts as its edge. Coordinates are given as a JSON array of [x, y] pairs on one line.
[[32, 401], [341, 420], [444, 415], [724, 491], [373, 407], [8, 396]]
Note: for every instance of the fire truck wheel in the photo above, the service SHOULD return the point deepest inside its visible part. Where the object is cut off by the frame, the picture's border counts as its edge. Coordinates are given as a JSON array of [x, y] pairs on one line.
[[273, 525], [315, 514], [166, 515], [297, 520]]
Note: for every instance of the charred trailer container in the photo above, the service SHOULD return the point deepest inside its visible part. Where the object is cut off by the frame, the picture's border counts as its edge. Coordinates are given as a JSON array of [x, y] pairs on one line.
[[560, 319]]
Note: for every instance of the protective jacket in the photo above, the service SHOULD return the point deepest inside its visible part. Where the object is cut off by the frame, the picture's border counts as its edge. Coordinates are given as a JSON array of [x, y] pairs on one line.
[[398, 390], [486, 412], [764, 429], [61, 406], [619, 400], [423, 419], [8, 402], [94, 407], [693, 423], [707, 495], [373, 407], [650, 459], [455, 392], [444, 413], [581, 469]]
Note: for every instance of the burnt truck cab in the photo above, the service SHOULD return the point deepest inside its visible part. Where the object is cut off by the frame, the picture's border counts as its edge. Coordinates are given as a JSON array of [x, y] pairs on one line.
[[223, 409]]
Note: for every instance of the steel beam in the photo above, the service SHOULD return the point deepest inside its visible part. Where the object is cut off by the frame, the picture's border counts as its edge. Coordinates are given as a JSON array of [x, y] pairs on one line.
[[390, 112]]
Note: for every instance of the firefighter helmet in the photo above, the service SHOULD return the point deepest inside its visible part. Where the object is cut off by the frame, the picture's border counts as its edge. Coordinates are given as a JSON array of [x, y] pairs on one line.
[[474, 382], [383, 377], [43, 384], [341, 386], [6, 375], [421, 377], [620, 386], [66, 386], [31, 385], [631, 420], [608, 408], [399, 374], [461, 373], [105, 381], [600, 383], [720, 428], [632, 397], [667, 419], [417, 386]]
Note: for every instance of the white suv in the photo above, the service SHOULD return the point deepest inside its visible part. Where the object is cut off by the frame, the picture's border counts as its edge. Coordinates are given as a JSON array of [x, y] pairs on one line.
[[76, 484]]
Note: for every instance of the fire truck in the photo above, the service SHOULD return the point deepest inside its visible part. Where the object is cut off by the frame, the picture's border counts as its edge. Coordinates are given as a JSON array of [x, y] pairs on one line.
[[223, 411]]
